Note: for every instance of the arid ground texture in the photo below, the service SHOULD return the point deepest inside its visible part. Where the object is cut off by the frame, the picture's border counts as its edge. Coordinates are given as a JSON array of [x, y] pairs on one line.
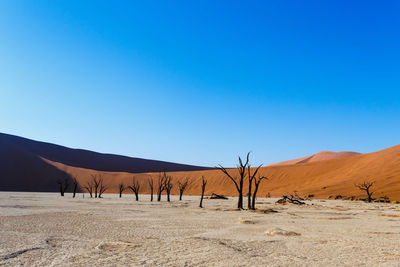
[[44, 229]]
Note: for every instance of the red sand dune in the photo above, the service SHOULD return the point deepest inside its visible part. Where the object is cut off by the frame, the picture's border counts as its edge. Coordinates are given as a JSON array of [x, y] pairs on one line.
[[320, 178], [323, 155], [21, 169]]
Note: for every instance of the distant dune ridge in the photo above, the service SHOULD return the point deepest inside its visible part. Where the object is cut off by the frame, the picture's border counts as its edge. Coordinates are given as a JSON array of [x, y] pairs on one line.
[[323, 174], [323, 155]]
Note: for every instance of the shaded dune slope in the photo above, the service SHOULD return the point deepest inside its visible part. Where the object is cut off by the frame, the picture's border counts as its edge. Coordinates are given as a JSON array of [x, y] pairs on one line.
[[24, 165], [23, 171]]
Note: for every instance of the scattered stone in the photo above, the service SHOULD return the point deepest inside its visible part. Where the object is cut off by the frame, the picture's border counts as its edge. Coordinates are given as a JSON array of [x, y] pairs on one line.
[[215, 196], [246, 221], [278, 231]]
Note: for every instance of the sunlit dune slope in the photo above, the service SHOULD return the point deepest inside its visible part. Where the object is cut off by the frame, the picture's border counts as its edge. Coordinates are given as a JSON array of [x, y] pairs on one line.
[[322, 178], [323, 155]]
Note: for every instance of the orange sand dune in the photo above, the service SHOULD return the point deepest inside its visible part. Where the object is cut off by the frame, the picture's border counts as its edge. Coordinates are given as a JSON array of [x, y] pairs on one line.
[[323, 155], [320, 178]]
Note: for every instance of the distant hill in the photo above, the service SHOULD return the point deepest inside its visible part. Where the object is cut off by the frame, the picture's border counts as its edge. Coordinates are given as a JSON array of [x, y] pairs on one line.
[[22, 167], [320, 156]]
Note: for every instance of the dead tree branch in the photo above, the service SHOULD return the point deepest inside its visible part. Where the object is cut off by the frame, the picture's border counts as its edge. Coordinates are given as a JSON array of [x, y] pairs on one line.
[[151, 185], [238, 182], [182, 187], [256, 184], [160, 185], [203, 188], [168, 186], [135, 187], [121, 188], [366, 186]]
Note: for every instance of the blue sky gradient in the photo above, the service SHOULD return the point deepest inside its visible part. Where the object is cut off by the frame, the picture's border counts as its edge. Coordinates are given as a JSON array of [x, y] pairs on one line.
[[202, 82]]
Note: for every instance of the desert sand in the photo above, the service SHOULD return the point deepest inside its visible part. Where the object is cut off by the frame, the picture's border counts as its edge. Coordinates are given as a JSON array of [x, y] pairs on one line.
[[320, 156], [323, 179], [38, 229]]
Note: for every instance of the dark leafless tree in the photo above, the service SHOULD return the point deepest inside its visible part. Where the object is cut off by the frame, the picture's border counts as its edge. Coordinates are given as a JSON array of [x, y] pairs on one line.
[[238, 182], [121, 188], [135, 187], [76, 184], [102, 186], [160, 185], [151, 185], [63, 186], [251, 178], [366, 186], [256, 185], [182, 187], [89, 188], [203, 188], [96, 186], [168, 186]]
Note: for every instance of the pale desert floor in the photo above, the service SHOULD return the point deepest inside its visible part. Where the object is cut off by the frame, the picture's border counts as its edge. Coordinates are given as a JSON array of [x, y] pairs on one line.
[[44, 229]]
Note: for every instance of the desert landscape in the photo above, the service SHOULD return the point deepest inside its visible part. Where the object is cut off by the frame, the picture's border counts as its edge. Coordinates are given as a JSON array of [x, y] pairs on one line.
[[325, 209], [44, 229], [199, 133]]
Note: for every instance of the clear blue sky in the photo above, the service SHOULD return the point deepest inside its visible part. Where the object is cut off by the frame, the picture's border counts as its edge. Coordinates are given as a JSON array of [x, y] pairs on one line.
[[201, 82]]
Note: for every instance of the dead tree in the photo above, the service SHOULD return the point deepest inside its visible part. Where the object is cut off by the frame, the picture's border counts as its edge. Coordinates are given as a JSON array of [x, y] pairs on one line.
[[291, 199], [203, 188], [238, 182], [102, 187], [135, 187], [182, 187], [151, 185], [168, 186], [160, 185], [96, 184], [63, 186], [89, 188], [251, 178], [256, 185], [75, 187], [366, 186], [121, 188]]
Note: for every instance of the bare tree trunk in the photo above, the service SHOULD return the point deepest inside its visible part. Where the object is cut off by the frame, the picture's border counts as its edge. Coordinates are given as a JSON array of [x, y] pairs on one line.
[[135, 187], [366, 186], [89, 188], [121, 188], [151, 185], [160, 185], [182, 187], [257, 184], [238, 182], [249, 195], [203, 188], [75, 187], [63, 186], [168, 186], [96, 184]]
